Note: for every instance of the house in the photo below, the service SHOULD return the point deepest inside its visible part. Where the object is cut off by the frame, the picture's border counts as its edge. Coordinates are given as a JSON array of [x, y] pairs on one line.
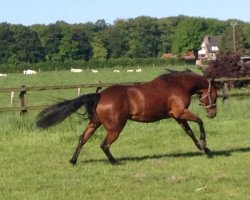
[[209, 48]]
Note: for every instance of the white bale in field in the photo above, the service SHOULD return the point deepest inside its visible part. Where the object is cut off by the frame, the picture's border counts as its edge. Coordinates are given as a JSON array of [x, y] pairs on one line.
[[76, 70], [94, 70], [130, 70], [117, 71], [29, 71], [138, 70], [3, 74]]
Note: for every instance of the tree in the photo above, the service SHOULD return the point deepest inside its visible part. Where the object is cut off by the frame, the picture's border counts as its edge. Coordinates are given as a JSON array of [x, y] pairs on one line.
[[143, 37], [167, 27], [74, 45], [115, 39], [188, 35], [99, 51], [140, 37], [26, 46], [214, 27], [6, 39], [51, 40], [233, 37], [246, 33], [68, 48], [100, 24], [84, 50]]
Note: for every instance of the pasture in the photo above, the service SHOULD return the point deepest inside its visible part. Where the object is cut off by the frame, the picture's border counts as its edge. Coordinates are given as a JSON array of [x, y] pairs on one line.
[[159, 160]]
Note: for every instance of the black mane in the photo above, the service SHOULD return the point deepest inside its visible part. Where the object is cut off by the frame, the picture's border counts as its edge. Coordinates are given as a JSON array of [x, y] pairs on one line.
[[171, 71], [177, 72]]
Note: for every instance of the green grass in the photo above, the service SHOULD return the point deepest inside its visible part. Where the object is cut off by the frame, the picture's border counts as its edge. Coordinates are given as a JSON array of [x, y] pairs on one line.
[[66, 78], [159, 160]]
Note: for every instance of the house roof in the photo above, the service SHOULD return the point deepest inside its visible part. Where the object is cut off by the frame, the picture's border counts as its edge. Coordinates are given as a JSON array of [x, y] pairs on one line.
[[212, 41]]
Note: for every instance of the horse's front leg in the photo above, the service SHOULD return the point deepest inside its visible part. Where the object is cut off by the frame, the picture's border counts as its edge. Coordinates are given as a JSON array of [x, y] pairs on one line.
[[83, 139], [202, 141], [186, 115], [188, 130]]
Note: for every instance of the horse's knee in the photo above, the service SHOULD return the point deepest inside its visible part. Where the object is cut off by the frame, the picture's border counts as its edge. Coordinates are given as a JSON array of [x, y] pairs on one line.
[[199, 121]]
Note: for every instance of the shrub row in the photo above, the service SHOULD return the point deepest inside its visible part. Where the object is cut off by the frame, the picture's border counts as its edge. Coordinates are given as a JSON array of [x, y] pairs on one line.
[[94, 63]]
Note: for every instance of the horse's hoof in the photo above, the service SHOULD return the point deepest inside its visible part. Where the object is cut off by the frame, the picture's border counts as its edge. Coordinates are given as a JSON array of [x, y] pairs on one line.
[[73, 162], [205, 150], [116, 162]]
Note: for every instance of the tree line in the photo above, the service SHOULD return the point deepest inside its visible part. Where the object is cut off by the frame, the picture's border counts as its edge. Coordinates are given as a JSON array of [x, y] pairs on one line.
[[134, 38]]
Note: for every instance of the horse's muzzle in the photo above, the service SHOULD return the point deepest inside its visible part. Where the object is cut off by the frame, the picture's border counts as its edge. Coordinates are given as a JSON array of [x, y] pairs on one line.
[[211, 113]]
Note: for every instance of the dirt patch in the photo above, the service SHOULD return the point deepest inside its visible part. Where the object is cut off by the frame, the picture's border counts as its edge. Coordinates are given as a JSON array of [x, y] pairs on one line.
[[140, 175], [176, 178]]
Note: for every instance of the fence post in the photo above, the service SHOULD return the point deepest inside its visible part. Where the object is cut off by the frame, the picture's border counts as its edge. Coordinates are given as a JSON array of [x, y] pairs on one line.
[[12, 96], [98, 86], [225, 90], [22, 99], [78, 91]]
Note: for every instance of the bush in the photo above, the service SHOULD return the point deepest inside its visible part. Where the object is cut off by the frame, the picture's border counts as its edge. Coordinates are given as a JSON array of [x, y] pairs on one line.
[[226, 65]]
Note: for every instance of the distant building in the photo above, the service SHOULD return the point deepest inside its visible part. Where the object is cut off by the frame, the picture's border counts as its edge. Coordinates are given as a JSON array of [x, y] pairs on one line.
[[189, 55], [209, 48]]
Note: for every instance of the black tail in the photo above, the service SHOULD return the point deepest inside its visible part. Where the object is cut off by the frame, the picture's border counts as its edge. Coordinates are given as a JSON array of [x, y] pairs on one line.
[[58, 112]]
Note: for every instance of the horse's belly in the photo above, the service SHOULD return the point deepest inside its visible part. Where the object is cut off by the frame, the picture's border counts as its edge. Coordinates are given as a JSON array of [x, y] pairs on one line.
[[149, 117], [147, 104], [147, 120]]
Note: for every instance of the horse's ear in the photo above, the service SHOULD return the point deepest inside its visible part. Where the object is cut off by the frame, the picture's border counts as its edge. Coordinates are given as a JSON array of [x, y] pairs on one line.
[[213, 81]]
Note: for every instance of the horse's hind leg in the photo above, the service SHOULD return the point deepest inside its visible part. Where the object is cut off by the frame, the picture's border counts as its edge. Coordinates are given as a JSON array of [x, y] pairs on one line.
[[105, 145], [83, 139]]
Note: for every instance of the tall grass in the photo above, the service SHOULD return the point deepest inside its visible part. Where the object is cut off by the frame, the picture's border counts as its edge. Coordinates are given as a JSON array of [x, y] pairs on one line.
[[159, 159]]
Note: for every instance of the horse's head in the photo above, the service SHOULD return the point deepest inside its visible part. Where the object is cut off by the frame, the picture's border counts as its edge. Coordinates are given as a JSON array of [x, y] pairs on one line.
[[208, 99]]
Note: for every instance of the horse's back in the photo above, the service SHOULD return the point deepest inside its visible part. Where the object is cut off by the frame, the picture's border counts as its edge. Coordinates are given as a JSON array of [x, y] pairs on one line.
[[146, 102]]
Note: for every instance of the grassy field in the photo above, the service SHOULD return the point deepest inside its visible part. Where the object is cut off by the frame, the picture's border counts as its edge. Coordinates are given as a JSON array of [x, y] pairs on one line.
[[159, 160], [66, 78]]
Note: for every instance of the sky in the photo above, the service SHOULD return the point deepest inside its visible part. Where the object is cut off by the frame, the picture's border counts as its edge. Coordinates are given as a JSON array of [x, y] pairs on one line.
[[29, 12]]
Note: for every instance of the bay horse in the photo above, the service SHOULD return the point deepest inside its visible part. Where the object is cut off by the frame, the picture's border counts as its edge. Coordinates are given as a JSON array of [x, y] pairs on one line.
[[167, 96]]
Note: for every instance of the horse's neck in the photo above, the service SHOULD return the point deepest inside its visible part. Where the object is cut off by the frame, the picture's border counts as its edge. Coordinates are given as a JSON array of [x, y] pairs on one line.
[[192, 83], [197, 84]]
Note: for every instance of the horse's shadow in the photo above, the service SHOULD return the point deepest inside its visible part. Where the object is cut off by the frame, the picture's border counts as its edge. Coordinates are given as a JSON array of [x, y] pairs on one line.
[[175, 155]]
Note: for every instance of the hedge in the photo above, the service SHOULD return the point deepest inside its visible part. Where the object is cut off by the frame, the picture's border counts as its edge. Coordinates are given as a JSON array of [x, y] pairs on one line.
[[92, 64]]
